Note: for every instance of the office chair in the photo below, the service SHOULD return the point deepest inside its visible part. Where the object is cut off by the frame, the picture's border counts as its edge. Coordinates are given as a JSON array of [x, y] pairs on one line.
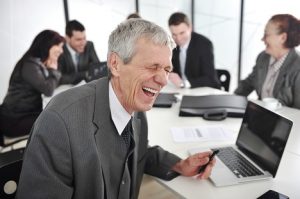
[[10, 143], [224, 77], [10, 169], [96, 71]]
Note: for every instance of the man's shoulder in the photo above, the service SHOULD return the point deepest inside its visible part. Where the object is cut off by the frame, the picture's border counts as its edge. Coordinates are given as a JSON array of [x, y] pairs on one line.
[[89, 44], [262, 56], [74, 98], [196, 37]]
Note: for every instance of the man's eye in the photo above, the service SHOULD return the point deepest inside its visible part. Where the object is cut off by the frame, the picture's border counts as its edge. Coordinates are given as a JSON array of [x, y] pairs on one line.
[[168, 70], [152, 67]]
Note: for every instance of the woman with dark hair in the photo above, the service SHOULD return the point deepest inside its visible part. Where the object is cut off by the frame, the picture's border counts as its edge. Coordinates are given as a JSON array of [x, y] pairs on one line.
[[34, 74], [277, 70]]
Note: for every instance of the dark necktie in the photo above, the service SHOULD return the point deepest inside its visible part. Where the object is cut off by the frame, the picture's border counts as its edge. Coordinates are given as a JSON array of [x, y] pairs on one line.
[[76, 61], [126, 134]]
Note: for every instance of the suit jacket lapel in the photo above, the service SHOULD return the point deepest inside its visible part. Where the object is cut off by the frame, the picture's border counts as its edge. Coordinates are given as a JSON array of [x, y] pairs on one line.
[[283, 70], [104, 124], [262, 73], [189, 55], [69, 59], [175, 60], [136, 126]]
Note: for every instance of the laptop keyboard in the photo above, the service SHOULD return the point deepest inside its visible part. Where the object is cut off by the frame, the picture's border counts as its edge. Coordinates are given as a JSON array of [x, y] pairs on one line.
[[239, 165]]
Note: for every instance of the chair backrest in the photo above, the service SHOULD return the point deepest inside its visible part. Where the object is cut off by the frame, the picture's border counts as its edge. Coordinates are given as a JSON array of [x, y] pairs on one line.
[[96, 71], [224, 77], [10, 169]]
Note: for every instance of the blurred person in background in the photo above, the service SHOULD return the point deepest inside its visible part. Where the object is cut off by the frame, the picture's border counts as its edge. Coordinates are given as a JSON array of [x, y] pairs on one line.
[[79, 55], [34, 74], [193, 58], [276, 73]]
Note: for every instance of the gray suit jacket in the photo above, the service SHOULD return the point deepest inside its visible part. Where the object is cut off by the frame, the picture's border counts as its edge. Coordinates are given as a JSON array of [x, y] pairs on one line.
[[72, 150], [287, 86]]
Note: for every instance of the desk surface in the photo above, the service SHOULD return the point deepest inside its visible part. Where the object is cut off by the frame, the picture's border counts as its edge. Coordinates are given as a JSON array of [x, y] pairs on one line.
[[161, 120]]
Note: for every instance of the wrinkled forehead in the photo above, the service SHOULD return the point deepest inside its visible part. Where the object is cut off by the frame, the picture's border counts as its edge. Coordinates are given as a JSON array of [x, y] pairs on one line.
[[154, 52], [145, 43]]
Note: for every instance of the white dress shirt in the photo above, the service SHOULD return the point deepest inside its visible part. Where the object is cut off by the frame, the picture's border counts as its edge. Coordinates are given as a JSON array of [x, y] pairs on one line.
[[119, 115], [182, 61], [74, 55]]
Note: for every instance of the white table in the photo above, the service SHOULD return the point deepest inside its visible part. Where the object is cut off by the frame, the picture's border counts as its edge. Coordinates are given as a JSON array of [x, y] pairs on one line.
[[287, 180], [58, 90]]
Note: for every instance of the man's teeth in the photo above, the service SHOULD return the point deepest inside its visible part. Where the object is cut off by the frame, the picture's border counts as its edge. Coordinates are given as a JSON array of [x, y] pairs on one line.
[[150, 90]]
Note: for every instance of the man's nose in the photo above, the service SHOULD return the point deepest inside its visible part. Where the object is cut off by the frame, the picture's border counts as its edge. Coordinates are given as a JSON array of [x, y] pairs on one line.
[[161, 77]]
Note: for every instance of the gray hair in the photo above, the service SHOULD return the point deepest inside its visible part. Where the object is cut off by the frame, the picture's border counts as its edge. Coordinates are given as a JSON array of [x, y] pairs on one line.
[[123, 39]]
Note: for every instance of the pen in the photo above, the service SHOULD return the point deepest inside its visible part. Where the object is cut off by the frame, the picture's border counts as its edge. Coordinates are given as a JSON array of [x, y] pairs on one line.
[[202, 168]]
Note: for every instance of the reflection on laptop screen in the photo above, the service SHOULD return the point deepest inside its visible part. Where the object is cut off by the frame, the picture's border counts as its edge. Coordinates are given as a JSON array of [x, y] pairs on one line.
[[263, 136]]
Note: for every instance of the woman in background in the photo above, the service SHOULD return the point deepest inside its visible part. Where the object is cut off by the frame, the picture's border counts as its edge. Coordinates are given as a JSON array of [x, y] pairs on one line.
[[34, 74], [277, 70]]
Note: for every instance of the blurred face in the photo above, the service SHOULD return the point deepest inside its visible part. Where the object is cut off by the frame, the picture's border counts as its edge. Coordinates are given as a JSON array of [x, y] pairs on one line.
[[138, 83], [181, 33], [273, 40], [77, 41], [55, 51]]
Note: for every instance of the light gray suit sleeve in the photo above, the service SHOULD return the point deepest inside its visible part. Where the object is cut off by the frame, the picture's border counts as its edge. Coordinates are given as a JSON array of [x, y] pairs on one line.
[[296, 103], [47, 165], [250, 83]]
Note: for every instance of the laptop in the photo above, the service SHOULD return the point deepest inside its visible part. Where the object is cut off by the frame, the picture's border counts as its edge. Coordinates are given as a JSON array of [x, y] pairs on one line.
[[258, 150], [165, 100]]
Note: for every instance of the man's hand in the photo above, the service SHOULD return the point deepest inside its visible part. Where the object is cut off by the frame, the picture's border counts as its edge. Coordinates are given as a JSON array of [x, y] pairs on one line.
[[190, 166], [176, 80]]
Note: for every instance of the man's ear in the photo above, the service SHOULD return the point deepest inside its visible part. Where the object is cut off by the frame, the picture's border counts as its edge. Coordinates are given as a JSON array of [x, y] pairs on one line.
[[113, 63]]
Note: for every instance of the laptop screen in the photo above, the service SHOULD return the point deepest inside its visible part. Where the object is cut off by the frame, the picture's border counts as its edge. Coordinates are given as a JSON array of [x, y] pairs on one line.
[[263, 136]]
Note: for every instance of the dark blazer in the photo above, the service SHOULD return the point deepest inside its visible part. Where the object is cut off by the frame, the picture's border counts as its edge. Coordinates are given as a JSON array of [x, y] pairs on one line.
[[72, 151], [67, 67], [28, 82], [199, 66], [287, 86]]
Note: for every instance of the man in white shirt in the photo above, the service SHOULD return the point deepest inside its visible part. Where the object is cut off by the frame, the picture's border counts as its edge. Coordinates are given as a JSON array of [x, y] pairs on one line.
[[193, 58]]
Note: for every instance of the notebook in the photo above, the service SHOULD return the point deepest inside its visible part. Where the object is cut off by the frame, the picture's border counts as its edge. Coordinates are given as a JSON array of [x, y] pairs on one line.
[[165, 100], [259, 148], [233, 105], [96, 71]]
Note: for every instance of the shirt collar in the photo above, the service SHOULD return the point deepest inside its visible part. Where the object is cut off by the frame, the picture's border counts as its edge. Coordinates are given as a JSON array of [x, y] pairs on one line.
[[278, 63], [119, 115], [71, 50], [185, 46]]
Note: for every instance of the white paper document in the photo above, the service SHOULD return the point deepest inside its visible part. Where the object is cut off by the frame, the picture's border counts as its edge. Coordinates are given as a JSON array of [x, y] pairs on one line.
[[202, 133]]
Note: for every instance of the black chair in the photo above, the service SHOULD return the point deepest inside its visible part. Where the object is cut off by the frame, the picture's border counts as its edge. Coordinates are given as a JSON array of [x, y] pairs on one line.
[[96, 71], [10, 142], [10, 169], [224, 77]]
